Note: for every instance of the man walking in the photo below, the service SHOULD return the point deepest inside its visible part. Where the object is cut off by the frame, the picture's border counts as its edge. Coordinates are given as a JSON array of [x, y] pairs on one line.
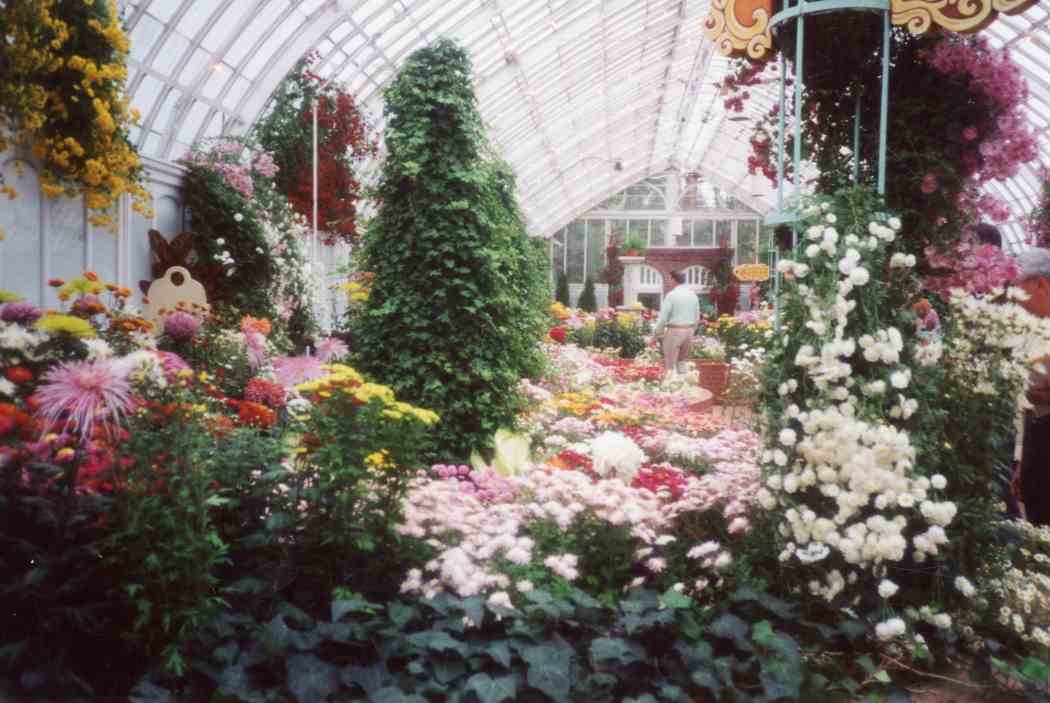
[[679, 314]]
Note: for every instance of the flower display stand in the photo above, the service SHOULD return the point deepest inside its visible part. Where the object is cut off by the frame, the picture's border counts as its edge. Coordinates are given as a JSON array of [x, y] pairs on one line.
[[714, 376]]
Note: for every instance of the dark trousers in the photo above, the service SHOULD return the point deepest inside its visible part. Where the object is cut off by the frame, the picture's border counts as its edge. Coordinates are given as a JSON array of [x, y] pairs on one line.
[[1035, 469]]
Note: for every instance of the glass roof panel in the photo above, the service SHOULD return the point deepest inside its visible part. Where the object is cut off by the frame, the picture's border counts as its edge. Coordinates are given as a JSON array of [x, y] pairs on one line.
[[567, 87]]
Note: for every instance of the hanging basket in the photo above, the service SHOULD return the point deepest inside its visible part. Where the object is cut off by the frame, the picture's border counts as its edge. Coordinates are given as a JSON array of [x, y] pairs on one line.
[[714, 375]]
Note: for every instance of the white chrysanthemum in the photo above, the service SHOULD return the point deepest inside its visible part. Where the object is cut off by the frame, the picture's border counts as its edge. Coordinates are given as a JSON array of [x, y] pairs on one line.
[[938, 481], [6, 387], [616, 454], [890, 629], [98, 349], [788, 437], [859, 276], [963, 585], [900, 379], [888, 589], [812, 251], [894, 223]]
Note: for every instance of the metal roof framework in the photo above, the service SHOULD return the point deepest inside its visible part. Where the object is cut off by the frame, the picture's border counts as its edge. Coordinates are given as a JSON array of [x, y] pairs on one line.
[[582, 97]]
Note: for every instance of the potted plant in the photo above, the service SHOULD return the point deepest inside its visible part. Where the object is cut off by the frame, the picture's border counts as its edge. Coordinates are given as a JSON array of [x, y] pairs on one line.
[[709, 357], [633, 246]]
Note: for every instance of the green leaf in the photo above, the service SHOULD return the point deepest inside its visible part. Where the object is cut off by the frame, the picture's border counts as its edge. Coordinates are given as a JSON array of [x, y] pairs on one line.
[[492, 690], [882, 675], [310, 679], [342, 608], [606, 649], [393, 694], [498, 651], [438, 641], [448, 670], [549, 667], [704, 678], [369, 678], [733, 628], [675, 600], [401, 614]]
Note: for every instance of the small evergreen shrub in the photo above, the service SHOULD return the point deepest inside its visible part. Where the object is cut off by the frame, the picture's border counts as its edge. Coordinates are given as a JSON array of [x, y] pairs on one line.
[[561, 293], [588, 301]]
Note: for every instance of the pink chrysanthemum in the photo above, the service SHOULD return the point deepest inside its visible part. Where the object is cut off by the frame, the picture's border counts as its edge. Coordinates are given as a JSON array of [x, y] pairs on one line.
[[84, 393], [290, 371], [172, 363], [181, 326], [331, 348], [255, 348]]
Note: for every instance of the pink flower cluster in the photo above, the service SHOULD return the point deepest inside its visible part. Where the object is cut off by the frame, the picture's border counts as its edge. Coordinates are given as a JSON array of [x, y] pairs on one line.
[[1010, 142], [487, 485], [974, 268]]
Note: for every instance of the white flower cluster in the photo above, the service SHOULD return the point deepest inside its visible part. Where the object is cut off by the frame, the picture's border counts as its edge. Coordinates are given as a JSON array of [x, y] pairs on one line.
[[615, 454], [843, 476]]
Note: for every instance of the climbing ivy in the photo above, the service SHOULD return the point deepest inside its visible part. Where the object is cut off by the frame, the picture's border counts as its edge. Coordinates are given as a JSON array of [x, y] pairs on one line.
[[456, 305]]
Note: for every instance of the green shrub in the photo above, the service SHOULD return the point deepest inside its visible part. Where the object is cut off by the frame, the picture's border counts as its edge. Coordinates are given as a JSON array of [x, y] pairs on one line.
[[458, 298], [588, 301], [561, 293], [648, 647]]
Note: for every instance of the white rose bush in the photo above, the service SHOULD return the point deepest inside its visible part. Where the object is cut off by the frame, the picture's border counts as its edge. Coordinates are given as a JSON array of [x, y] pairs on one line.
[[887, 455]]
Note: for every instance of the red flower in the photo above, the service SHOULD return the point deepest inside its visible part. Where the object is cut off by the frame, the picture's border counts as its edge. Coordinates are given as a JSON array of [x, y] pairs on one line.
[[557, 334], [19, 374], [259, 390], [256, 415]]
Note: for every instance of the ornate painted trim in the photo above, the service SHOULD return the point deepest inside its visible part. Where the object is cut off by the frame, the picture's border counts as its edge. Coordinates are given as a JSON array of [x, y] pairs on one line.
[[741, 27]]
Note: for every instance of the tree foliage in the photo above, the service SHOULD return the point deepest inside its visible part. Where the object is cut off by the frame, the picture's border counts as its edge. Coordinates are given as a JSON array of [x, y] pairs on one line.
[[456, 305]]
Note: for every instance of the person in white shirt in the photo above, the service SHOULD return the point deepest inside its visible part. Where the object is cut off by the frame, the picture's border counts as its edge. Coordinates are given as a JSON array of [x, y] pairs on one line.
[[679, 316]]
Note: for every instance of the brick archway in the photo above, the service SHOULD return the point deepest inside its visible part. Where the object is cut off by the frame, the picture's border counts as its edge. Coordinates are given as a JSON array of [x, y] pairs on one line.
[[667, 259]]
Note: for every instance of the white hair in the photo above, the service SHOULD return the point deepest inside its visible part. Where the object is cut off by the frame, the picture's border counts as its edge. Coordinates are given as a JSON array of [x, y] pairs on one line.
[[1034, 263]]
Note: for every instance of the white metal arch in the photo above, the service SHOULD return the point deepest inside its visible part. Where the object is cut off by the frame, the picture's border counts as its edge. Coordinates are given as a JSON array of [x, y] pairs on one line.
[[567, 88]]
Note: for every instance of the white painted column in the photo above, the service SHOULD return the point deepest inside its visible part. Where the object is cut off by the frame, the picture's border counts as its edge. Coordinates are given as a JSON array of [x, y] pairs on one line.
[[632, 278]]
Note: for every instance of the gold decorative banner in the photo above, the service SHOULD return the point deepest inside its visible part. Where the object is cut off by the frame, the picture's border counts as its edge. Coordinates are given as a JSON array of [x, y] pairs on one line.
[[741, 27], [962, 16]]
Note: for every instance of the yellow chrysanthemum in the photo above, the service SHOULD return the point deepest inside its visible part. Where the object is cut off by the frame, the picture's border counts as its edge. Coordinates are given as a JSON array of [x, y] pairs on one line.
[[65, 324], [7, 296]]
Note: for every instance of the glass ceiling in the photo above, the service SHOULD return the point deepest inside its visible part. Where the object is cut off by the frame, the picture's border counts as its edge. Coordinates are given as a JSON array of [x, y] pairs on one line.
[[582, 97]]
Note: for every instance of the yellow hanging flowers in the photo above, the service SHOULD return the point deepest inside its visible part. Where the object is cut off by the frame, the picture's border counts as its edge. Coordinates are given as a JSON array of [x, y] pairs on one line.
[[69, 108], [344, 380]]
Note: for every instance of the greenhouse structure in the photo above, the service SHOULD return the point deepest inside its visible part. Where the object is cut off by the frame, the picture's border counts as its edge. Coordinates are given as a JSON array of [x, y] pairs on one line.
[[487, 351]]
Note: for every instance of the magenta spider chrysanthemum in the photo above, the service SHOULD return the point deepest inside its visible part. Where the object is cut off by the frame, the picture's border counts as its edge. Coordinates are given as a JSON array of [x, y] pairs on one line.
[[331, 348], [83, 393], [293, 370]]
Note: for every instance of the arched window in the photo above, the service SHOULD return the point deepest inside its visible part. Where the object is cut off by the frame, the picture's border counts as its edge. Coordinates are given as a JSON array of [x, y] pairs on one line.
[[652, 280], [698, 278]]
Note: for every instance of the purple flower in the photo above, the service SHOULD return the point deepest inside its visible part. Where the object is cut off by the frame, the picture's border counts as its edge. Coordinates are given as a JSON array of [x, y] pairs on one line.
[[181, 326], [85, 393], [22, 312]]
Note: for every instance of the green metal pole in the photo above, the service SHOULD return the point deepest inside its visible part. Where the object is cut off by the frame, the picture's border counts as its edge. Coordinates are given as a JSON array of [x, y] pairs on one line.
[[799, 61], [856, 140], [780, 136], [885, 104]]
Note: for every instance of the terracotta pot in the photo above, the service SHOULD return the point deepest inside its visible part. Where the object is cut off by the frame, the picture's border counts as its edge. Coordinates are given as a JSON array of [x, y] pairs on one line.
[[631, 252], [714, 375]]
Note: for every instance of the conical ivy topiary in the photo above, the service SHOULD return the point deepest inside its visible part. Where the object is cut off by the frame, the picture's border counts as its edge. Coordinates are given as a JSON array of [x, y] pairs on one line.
[[458, 297], [561, 293], [588, 301]]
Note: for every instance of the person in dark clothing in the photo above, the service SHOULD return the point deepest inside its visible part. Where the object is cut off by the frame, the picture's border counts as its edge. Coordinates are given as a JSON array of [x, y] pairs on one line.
[[1035, 454]]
